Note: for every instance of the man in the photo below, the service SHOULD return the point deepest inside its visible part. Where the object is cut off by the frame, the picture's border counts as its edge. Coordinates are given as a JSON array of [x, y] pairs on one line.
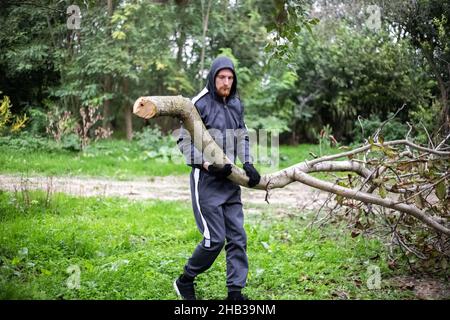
[[216, 201]]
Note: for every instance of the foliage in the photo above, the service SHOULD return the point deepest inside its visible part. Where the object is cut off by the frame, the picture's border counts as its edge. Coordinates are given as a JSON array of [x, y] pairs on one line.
[[89, 118], [38, 121], [157, 146], [425, 24], [269, 100], [26, 143], [7, 120], [426, 126], [410, 176], [313, 72], [350, 74], [291, 17], [393, 129], [59, 123]]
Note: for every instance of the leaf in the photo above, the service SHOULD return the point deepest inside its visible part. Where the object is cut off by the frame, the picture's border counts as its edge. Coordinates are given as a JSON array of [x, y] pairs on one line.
[[374, 147], [46, 272], [389, 152], [382, 192], [15, 261], [119, 35], [441, 191]]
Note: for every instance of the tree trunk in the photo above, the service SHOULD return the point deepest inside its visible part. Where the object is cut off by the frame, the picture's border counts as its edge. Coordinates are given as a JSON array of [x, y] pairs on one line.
[[108, 80], [181, 37], [127, 109], [107, 104], [444, 90], [205, 17]]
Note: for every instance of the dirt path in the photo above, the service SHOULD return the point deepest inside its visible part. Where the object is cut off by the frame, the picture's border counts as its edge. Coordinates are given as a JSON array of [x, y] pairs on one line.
[[295, 195]]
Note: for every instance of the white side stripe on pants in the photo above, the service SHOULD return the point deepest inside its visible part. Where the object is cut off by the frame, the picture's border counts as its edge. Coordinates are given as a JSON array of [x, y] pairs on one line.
[[205, 226]]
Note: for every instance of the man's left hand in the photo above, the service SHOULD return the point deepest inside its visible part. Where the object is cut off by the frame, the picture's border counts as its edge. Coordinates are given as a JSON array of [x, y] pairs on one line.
[[252, 173]]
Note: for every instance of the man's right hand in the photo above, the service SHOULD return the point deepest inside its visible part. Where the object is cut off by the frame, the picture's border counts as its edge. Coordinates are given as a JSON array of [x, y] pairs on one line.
[[222, 173]]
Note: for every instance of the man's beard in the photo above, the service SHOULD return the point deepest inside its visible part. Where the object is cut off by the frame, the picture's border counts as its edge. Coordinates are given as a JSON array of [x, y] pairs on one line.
[[224, 92]]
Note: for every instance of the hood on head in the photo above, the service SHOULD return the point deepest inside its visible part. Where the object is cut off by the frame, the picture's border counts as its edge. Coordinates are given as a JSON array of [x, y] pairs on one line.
[[217, 65]]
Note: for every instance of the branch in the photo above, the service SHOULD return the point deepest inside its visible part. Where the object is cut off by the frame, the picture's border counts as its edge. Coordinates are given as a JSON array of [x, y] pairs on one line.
[[369, 198], [183, 109]]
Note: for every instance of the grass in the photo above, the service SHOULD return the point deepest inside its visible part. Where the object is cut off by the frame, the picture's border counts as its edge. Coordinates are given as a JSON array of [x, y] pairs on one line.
[[133, 250], [117, 159], [120, 159]]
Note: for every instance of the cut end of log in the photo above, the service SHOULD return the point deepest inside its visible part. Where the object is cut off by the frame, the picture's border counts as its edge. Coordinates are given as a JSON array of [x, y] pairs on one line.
[[144, 108]]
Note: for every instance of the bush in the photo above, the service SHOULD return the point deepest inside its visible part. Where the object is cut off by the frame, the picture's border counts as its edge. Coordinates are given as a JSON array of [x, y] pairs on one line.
[[156, 145], [392, 130], [38, 122], [8, 122], [27, 142], [426, 117]]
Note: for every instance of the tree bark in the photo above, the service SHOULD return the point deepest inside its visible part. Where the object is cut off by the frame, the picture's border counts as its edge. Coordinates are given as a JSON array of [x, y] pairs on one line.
[[205, 20], [107, 104], [444, 90], [127, 112], [183, 109], [108, 80]]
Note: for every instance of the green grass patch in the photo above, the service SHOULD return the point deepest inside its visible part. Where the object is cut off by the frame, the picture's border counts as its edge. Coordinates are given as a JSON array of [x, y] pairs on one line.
[[120, 159], [117, 159], [127, 249]]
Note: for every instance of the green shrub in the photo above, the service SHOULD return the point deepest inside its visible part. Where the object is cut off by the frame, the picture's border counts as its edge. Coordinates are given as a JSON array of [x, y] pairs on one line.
[[392, 130], [155, 144], [426, 117], [38, 122], [149, 138], [9, 122], [27, 142]]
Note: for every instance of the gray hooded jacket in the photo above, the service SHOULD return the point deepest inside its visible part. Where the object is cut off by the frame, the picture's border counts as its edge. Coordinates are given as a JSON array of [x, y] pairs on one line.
[[224, 119]]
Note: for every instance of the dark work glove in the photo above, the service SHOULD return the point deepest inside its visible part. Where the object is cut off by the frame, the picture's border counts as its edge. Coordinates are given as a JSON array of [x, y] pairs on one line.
[[220, 172], [252, 173]]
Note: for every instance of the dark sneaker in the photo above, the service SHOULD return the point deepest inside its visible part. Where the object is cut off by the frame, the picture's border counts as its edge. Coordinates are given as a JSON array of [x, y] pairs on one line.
[[236, 296], [185, 291]]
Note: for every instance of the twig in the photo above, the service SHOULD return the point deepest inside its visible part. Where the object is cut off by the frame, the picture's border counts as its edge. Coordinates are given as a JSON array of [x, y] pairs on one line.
[[429, 138], [367, 147], [442, 142], [386, 121], [424, 189]]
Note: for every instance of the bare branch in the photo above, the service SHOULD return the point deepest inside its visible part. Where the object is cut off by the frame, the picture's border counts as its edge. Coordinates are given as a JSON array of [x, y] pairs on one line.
[[369, 198]]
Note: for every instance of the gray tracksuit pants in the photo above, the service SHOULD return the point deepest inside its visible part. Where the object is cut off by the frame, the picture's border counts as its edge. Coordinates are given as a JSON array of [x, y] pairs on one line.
[[218, 213]]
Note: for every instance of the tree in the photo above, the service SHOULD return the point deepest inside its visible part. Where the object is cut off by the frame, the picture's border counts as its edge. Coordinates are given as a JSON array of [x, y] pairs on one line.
[[426, 24], [398, 168]]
